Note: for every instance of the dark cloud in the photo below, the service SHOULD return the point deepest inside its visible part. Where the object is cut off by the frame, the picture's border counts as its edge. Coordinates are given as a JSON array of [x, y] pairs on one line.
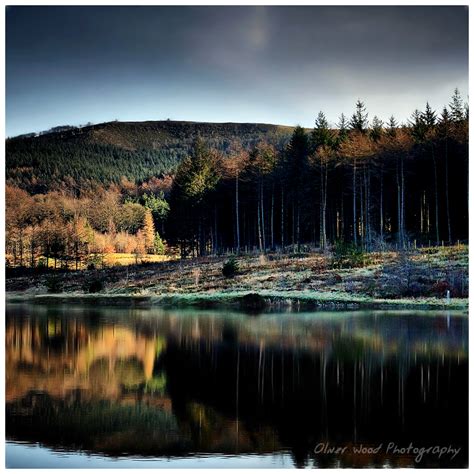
[[273, 64]]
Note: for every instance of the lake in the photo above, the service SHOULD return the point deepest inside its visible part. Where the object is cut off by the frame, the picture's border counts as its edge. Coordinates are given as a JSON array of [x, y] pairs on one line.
[[117, 387]]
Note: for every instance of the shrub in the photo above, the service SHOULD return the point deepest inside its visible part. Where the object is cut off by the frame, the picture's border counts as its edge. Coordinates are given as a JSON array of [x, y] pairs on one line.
[[252, 302], [440, 289], [158, 245], [347, 255], [94, 285], [230, 268], [54, 284], [403, 277]]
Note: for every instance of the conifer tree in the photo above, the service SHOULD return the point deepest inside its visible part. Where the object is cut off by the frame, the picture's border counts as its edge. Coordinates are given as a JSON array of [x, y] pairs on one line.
[[321, 135], [376, 129], [457, 107], [392, 126], [149, 232], [343, 127], [359, 120], [429, 117], [298, 152]]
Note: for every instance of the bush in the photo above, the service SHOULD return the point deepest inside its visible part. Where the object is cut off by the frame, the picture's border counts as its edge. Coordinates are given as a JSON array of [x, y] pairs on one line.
[[158, 245], [252, 302], [441, 288], [403, 277], [347, 255], [54, 284], [230, 268], [93, 286]]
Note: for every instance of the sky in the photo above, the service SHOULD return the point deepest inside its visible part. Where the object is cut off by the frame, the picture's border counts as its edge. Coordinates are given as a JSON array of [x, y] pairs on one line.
[[281, 65]]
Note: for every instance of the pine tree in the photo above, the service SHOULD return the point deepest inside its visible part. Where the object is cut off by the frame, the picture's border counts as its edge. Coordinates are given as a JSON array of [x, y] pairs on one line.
[[196, 178], [298, 152], [444, 126], [343, 127], [359, 120], [457, 107], [392, 126], [418, 127], [376, 129], [321, 135], [158, 244], [429, 117]]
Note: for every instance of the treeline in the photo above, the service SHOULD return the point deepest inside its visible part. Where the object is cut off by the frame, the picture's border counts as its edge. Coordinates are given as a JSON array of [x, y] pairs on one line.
[[367, 184], [41, 164], [76, 159], [60, 230], [370, 185]]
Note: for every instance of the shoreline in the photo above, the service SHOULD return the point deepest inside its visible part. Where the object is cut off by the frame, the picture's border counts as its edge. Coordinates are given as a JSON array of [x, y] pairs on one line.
[[259, 301]]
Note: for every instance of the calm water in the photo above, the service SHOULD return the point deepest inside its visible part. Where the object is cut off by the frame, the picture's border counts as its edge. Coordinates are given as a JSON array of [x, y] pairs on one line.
[[113, 387]]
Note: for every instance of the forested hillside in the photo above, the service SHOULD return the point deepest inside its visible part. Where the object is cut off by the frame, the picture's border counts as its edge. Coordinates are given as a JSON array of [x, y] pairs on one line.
[[75, 158], [207, 189]]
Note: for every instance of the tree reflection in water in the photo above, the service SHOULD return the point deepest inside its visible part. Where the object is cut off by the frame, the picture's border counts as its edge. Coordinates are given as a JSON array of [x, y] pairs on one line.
[[173, 383]]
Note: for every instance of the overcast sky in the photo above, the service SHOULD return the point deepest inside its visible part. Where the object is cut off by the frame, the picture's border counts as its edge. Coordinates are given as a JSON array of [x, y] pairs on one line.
[[72, 65]]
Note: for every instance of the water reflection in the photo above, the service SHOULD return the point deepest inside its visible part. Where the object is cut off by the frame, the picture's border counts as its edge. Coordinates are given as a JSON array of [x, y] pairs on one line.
[[178, 384]]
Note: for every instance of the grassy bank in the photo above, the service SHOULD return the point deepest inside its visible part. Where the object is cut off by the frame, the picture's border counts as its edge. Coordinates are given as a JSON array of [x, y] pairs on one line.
[[415, 279], [248, 301]]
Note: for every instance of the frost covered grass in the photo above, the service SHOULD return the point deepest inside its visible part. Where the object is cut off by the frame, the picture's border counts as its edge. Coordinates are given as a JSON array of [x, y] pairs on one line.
[[416, 278]]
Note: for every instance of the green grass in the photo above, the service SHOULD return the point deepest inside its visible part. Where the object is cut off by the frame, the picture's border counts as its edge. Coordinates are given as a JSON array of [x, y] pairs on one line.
[[274, 300], [283, 282]]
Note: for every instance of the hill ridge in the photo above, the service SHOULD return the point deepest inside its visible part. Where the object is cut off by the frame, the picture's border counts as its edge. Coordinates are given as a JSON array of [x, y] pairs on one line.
[[137, 150]]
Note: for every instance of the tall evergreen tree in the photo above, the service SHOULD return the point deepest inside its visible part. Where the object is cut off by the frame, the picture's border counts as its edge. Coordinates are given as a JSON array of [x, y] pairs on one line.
[[418, 127], [429, 117], [392, 126], [321, 135], [196, 177], [298, 153], [376, 130], [456, 106], [359, 120], [343, 129]]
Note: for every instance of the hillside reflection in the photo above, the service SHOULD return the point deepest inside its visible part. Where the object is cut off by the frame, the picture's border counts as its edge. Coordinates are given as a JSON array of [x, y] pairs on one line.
[[171, 383]]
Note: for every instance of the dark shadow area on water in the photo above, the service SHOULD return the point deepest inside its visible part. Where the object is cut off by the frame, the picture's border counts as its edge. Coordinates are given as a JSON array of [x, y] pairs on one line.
[[159, 383]]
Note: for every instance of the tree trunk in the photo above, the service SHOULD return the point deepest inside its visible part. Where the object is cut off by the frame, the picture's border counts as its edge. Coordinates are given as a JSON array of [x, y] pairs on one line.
[[262, 210], [435, 170], [293, 223], [272, 218], [399, 214], [402, 216], [216, 234], [298, 229], [421, 214], [448, 215], [362, 218], [282, 218], [259, 226], [321, 193], [323, 206], [354, 203], [381, 203], [237, 223]]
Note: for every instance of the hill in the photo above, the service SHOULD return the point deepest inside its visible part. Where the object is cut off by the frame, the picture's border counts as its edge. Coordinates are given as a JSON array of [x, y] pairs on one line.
[[73, 156]]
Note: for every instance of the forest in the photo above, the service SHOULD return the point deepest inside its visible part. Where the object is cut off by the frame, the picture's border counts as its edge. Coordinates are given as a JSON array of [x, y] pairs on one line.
[[368, 185], [77, 158]]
